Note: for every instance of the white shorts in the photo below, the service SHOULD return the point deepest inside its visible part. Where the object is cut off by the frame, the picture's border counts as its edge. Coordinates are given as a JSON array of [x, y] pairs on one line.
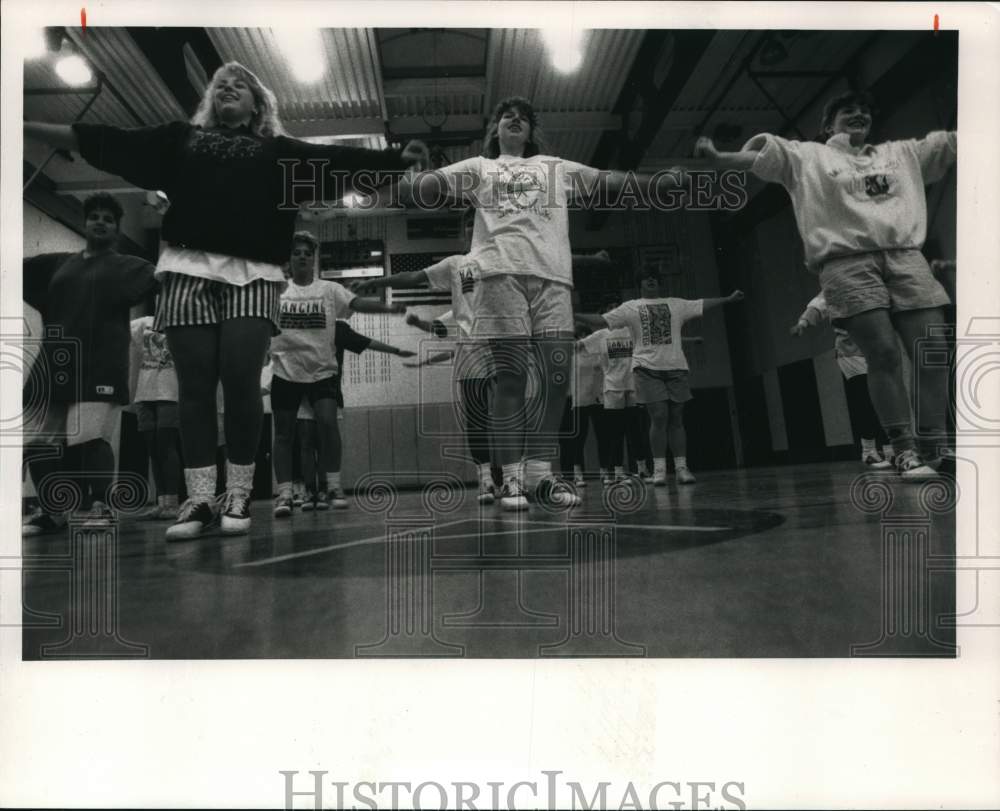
[[618, 400], [73, 423], [507, 306]]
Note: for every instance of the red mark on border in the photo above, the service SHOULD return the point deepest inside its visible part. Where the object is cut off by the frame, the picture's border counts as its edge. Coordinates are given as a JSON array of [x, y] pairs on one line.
[[937, 23], [83, 19]]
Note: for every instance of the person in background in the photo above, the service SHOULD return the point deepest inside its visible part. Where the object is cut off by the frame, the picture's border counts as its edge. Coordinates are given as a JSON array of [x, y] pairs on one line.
[[854, 368], [84, 300]]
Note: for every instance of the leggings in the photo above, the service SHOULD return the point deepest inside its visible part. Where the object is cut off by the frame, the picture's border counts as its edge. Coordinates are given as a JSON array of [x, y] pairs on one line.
[[475, 394], [573, 433], [864, 420]]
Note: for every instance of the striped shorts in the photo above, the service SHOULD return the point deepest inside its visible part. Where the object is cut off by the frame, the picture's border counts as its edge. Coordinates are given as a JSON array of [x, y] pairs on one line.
[[187, 301]]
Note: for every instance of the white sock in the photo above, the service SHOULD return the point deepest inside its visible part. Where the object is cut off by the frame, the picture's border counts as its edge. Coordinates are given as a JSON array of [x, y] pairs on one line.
[[512, 471], [680, 461], [619, 471], [200, 483], [284, 489], [485, 473], [239, 477], [604, 473], [578, 471], [170, 501], [332, 479], [535, 470], [867, 446], [660, 466]]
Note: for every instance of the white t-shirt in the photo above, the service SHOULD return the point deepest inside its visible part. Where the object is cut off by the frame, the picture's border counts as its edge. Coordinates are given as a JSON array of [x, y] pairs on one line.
[[613, 348], [304, 352], [522, 223], [856, 199], [655, 325], [586, 380], [460, 275], [156, 379]]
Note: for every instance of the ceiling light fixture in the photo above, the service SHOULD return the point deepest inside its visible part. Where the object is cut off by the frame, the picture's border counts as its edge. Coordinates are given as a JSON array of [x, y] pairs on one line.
[[71, 67], [565, 47], [303, 51]]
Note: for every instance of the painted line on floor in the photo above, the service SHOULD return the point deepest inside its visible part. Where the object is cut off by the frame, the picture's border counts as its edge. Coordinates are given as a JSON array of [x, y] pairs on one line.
[[547, 527]]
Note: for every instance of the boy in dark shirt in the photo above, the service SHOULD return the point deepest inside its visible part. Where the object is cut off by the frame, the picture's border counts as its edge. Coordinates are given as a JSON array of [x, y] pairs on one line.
[[82, 379]]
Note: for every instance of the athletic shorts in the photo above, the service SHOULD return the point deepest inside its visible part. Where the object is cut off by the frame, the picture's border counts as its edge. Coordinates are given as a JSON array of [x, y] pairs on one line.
[[157, 414], [656, 385], [507, 306], [880, 280], [618, 400], [73, 423], [287, 396], [187, 301]]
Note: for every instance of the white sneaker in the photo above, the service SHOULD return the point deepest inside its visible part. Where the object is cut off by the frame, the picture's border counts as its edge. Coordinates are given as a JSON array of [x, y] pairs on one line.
[[556, 492], [579, 481], [912, 468], [194, 519], [873, 460], [235, 512], [337, 498], [659, 479], [512, 496], [487, 492], [684, 476]]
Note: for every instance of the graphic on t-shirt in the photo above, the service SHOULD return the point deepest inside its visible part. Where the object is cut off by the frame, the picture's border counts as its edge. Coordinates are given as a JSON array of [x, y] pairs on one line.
[[522, 189], [302, 314], [467, 279], [876, 185], [155, 354], [224, 147], [619, 348], [655, 322]]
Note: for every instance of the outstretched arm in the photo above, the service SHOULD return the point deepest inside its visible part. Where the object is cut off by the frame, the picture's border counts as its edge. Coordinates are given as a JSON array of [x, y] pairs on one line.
[[712, 303], [389, 349], [592, 320], [413, 278], [58, 136], [371, 305], [744, 159], [814, 312], [438, 357]]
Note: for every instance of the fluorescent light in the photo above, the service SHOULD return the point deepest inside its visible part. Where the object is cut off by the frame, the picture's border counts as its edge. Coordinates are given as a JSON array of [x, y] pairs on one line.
[[303, 51], [565, 47], [72, 68]]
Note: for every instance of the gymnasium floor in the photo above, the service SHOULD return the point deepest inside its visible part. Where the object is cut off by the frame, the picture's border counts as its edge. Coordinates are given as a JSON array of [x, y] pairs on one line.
[[768, 562]]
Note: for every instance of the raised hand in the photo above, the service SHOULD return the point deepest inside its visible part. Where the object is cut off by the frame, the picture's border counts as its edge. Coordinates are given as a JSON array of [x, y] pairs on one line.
[[705, 148], [799, 329], [417, 155], [736, 295]]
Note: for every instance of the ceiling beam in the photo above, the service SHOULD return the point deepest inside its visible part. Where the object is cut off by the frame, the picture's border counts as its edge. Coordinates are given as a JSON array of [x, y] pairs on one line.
[[110, 185], [443, 86], [411, 125], [164, 48], [627, 151]]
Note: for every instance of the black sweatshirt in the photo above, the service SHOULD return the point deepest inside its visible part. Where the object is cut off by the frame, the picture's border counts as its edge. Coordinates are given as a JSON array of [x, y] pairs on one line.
[[88, 299], [233, 192]]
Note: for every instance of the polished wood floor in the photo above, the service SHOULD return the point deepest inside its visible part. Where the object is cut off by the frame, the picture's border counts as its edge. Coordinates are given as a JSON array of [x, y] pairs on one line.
[[795, 561]]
